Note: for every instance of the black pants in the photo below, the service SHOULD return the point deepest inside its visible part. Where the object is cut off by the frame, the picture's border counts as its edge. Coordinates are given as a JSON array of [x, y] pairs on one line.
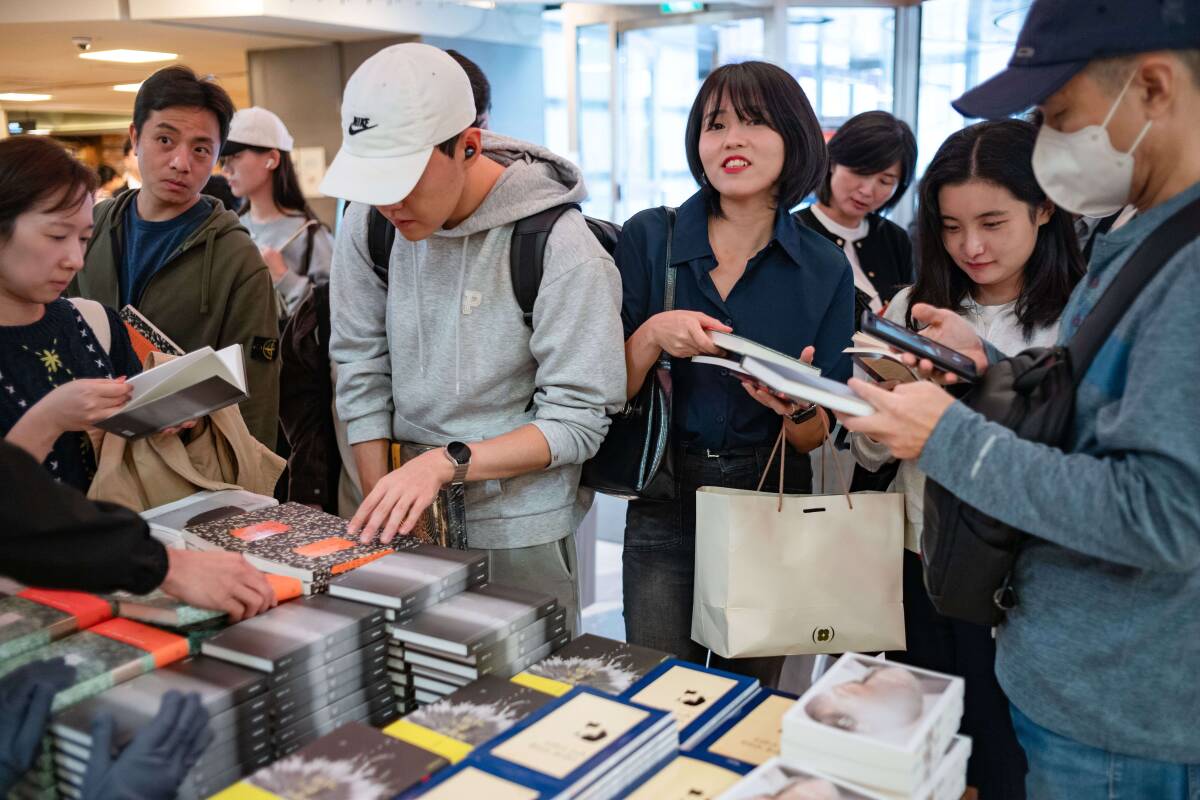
[[997, 767], [659, 559]]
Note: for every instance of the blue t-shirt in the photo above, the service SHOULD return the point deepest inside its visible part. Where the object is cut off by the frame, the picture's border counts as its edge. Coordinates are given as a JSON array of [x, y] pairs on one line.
[[150, 245]]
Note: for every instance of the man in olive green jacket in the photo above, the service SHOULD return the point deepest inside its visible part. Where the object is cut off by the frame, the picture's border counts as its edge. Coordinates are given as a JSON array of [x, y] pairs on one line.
[[179, 257]]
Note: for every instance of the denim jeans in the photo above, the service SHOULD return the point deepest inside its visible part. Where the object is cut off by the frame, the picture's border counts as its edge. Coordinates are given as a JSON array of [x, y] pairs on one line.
[[659, 559], [1063, 769]]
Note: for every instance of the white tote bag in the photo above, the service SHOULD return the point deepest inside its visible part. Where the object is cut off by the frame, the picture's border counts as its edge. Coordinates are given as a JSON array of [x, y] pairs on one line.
[[784, 574]]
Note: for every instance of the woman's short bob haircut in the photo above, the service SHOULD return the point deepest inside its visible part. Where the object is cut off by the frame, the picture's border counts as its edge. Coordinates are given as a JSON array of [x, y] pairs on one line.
[[37, 174], [763, 92], [869, 143]]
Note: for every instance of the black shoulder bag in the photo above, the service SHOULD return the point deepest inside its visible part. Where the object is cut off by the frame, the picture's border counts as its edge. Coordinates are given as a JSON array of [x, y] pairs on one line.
[[968, 555], [635, 460]]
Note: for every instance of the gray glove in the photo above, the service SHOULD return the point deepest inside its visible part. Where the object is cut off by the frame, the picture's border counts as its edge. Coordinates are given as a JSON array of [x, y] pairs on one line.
[[25, 697], [160, 756]]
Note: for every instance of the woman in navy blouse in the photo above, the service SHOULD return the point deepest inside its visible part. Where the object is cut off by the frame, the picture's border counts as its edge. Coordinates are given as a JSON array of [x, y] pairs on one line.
[[744, 265]]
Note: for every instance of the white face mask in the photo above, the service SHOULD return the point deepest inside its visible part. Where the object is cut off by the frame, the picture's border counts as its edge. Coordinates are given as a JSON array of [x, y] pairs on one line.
[[1082, 171]]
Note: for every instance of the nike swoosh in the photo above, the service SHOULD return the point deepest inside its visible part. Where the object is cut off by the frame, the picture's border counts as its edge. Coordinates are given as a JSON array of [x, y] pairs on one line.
[[353, 131]]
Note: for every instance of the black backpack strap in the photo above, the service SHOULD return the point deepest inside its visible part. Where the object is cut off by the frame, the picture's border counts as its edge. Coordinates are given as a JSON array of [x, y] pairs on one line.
[[527, 256], [1159, 247], [381, 235]]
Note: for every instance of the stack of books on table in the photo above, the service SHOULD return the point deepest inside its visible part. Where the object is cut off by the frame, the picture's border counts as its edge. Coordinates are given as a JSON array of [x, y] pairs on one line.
[[688, 776], [236, 699], [326, 661], [292, 540], [751, 737], [700, 698], [493, 629], [32, 618], [603, 664], [474, 715], [883, 728], [405, 583], [353, 762], [584, 744], [168, 521]]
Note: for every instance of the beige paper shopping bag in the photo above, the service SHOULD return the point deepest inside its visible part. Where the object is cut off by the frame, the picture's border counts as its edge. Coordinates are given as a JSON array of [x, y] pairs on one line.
[[792, 574]]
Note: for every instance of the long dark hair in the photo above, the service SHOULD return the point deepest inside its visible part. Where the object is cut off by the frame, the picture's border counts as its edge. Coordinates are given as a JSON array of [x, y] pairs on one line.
[[1001, 153], [869, 143], [285, 186], [761, 91], [34, 170]]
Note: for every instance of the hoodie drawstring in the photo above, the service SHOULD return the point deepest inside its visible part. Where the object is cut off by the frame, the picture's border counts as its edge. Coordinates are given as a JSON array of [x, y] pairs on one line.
[[462, 279], [206, 271], [412, 247]]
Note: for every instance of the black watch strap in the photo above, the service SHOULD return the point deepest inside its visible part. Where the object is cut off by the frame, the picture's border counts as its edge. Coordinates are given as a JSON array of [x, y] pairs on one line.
[[803, 414]]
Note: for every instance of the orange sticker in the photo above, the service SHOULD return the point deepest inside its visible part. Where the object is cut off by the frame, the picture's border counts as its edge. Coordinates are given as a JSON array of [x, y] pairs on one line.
[[88, 609], [285, 588], [346, 566], [260, 530], [167, 648], [324, 547]]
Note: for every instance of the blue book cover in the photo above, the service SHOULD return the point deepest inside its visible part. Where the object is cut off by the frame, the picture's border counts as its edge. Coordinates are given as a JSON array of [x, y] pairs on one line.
[[751, 736], [695, 695], [469, 780], [685, 776], [573, 741]]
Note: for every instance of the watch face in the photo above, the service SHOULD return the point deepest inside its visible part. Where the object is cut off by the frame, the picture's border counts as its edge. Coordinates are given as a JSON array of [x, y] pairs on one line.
[[459, 452]]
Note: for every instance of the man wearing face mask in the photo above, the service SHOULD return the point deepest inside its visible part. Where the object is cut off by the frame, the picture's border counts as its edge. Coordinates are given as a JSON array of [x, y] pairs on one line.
[[1100, 655]]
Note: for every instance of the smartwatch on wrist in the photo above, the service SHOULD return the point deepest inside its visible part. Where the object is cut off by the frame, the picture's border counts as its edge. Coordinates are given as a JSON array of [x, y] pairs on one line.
[[803, 414], [459, 455]]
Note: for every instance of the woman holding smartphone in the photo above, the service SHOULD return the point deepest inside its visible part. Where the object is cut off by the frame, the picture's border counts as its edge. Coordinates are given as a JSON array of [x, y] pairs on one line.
[[995, 248], [743, 264]]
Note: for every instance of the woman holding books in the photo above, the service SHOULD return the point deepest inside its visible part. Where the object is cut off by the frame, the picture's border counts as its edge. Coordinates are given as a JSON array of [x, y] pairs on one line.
[[995, 248], [742, 264], [56, 378], [872, 159], [257, 161]]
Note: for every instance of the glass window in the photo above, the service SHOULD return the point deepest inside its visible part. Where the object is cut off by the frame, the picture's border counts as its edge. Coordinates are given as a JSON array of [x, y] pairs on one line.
[[595, 119], [554, 83], [843, 58]]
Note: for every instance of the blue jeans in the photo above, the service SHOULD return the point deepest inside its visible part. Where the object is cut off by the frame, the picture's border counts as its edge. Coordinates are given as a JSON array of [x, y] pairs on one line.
[[1063, 769]]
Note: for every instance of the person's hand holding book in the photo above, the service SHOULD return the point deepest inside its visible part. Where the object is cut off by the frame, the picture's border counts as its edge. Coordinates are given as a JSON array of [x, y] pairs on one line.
[[217, 580]]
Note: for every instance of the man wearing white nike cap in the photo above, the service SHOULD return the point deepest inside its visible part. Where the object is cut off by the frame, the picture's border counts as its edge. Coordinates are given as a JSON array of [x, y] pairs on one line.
[[439, 355]]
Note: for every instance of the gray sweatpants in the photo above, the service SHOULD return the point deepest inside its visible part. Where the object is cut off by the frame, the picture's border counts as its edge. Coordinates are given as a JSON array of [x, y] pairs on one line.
[[552, 568]]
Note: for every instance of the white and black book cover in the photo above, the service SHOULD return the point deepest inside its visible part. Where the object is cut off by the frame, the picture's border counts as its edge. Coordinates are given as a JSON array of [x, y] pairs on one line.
[[202, 507], [777, 778], [401, 579], [593, 661], [471, 621], [326, 676], [498, 656]]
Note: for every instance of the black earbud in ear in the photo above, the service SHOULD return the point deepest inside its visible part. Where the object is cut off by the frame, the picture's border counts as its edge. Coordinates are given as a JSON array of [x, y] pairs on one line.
[[469, 152]]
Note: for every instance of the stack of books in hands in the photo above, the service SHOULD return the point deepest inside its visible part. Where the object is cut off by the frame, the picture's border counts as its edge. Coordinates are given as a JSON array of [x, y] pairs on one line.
[[887, 729], [593, 661], [326, 662], [167, 522], [236, 699], [584, 744], [490, 630], [291, 540], [700, 698], [353, 762], [405, 583]]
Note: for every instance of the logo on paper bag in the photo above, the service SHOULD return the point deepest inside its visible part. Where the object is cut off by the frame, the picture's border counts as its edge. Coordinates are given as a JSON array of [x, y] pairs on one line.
[[823, 635]]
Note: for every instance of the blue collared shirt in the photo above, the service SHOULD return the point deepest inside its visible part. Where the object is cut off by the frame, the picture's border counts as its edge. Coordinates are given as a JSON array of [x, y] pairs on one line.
[[797, 291]]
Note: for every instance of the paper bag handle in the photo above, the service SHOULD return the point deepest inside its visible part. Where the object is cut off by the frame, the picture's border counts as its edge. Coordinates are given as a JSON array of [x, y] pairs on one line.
[[826, 443]]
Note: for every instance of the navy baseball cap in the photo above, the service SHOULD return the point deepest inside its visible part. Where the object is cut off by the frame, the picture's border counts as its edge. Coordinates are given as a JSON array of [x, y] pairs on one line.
[[1060, 37]]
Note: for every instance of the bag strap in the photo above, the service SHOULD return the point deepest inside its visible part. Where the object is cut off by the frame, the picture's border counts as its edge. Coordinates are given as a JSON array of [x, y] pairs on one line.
[[1151, 256], [381, 235], [527, 256], [664, 358], [826, 444], [96, 317]]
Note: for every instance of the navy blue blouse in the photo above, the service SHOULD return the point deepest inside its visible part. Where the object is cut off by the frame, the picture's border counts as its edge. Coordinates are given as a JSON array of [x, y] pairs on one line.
[[798, 291]]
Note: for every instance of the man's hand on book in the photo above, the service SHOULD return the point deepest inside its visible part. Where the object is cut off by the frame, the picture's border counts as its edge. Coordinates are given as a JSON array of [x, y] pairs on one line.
[[217, 580], [396, 502]]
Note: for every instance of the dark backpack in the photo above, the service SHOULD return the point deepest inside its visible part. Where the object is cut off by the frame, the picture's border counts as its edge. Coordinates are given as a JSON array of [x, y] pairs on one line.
[[969, 556], [527, 254]]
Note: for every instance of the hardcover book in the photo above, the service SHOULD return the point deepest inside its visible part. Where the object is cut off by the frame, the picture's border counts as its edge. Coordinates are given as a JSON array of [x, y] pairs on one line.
[[35, 617], [145, 336], [604, 664], [401, 579], [700, 698], [751, 737], [292, 540], [879, 360], [776, 778], [159, 608], [471, 621], [172, 518], [490, 659], [686, 777], [469, 781]]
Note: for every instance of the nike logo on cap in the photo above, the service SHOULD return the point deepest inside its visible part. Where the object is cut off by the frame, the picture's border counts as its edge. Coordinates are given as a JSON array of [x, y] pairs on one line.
[[359, 125]]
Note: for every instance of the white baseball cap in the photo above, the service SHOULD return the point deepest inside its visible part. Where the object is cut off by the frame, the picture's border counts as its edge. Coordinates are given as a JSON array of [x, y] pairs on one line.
[[256, 127], [399, 105]]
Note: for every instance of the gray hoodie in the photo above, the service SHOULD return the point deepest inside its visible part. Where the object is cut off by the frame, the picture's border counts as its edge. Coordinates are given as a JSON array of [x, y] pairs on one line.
[[464, 363]]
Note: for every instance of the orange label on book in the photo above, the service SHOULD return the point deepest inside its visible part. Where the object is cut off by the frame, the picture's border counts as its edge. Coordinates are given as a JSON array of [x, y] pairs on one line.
[[167, 648], [142, 347], [346, 566], [261, 530], [285, 588], [324, 547], [88, 609]]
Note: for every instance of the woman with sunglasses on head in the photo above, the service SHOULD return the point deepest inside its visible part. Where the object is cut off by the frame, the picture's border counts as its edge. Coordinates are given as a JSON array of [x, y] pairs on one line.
[[743, 264]]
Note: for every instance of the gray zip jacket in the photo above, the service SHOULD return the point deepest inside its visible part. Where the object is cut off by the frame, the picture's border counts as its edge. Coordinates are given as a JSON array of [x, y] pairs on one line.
[[442, 353]]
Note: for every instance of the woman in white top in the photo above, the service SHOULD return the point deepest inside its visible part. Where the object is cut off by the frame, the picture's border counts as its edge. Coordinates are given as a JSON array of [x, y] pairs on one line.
[[994, 247], [257, 161]]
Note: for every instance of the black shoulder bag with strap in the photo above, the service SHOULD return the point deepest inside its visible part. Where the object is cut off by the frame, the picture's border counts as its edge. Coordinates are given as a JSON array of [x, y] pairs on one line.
[[635, 459], [968, 555]]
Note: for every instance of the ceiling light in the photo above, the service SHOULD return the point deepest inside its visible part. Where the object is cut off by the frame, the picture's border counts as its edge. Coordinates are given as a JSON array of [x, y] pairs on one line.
[[127, 87], [23, 97], [486, 5], [129, 56], [39, 132]]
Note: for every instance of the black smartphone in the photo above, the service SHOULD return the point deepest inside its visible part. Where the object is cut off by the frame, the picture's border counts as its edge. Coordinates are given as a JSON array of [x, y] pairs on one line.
[[898, 336]]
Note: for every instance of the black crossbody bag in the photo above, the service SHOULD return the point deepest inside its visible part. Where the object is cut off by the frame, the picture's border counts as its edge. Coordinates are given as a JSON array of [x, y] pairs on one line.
[[968, 555]]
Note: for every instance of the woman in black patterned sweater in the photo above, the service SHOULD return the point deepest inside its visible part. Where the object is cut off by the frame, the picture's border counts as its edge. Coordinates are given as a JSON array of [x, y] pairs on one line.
[[56, 378]]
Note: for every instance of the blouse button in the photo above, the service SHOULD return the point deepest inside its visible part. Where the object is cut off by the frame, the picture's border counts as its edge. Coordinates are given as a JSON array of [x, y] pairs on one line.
[[840, 242], [870, 274]]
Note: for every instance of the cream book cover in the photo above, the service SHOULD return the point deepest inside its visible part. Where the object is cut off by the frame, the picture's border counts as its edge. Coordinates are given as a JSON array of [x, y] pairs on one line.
[[686, 693], [755, 739], [471, 782], [570, 736], [686, 779]]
